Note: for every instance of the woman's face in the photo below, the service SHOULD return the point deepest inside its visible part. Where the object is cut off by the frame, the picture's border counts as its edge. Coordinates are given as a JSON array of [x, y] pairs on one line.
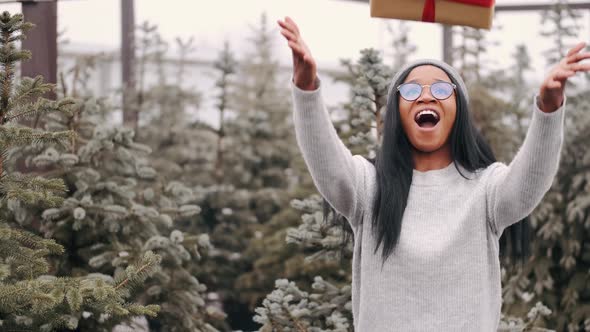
[[428, 138]]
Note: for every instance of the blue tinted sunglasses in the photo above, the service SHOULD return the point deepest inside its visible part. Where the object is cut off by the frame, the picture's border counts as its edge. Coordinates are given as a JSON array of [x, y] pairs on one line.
[[439, 90]]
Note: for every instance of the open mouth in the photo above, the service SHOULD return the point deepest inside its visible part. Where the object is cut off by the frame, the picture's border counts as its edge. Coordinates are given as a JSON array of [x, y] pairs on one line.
[[427, 119]]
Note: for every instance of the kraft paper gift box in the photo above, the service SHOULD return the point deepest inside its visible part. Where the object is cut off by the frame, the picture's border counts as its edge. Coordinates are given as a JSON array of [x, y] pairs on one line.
[[473, 13]]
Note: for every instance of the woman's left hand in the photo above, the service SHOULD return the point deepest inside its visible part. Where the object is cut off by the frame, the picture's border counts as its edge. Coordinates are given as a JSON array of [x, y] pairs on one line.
[[551, 93]]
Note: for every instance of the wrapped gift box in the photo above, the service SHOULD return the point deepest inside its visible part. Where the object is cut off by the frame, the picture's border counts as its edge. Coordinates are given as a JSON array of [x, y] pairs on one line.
[[473, 13]]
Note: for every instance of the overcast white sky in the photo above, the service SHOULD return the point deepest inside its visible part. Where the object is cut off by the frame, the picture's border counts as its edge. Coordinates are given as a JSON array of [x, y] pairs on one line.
[[333, 29]]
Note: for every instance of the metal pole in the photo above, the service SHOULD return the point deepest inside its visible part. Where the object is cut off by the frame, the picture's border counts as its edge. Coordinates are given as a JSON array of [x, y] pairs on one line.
[[447, 44], [130, 114]]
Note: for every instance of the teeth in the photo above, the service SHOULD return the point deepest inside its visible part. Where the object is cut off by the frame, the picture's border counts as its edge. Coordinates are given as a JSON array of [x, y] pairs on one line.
[[426, 112]]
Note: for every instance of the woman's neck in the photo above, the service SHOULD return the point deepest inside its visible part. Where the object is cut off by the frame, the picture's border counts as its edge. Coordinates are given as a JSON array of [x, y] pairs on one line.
[[427, 161]]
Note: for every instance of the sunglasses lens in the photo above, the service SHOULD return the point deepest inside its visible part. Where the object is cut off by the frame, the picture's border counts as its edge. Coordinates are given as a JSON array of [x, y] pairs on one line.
[[441, 90], [410, 91]]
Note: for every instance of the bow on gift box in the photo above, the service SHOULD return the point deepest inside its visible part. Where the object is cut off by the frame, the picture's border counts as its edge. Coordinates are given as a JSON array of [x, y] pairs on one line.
[[429, 10]]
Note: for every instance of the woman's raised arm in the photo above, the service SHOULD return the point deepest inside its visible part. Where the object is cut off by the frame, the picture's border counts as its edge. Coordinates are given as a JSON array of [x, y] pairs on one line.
[[516, 189], [338, 175]]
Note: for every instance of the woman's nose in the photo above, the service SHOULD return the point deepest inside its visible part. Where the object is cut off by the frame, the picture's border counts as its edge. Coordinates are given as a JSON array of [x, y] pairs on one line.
[[425, 95]]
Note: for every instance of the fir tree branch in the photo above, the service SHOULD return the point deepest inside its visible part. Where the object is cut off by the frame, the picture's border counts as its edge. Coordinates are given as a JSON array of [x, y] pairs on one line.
[[20, 136], [128, 279], [14, 291], [29, 89], [148, 264], [29, 266], [31, 240], [149, 310], [39, 107], [9, 55], [33, 189]]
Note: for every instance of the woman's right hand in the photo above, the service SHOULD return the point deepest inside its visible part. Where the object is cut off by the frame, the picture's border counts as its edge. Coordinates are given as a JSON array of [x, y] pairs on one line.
[[304, 66]]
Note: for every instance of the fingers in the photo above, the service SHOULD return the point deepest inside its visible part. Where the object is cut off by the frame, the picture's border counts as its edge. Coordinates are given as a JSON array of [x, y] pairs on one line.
[[288, 31], [579, 67], [297, 49], [288, 35], [571, 63], [293, 24], [291, 33], [289, 24], [284, 25], [576, 48], [566, 68], [577, 57]]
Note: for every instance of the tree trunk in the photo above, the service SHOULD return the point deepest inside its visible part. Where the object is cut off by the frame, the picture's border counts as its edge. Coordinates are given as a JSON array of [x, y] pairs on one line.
[[219, 159]]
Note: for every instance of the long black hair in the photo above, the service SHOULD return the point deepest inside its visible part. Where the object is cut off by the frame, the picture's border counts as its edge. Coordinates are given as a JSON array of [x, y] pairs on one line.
[[394, 169]]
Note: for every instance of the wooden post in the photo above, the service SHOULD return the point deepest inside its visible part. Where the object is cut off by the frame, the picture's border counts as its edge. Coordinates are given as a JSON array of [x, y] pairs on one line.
[[41, 41], [130, 112]]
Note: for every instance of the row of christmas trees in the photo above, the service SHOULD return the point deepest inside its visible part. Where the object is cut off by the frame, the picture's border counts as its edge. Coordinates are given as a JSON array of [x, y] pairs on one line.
[[142, 221]]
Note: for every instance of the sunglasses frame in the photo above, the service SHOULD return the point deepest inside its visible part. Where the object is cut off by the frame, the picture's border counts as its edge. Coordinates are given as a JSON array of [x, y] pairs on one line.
[[429, 87]]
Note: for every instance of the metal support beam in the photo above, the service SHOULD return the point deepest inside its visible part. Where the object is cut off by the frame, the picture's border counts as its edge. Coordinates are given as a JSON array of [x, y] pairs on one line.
[[538, 6], [41, 41], [523, 7], [448, 35]]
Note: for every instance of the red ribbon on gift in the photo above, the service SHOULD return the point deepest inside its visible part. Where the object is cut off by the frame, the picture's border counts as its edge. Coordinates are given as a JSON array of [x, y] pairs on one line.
[[429, 10]]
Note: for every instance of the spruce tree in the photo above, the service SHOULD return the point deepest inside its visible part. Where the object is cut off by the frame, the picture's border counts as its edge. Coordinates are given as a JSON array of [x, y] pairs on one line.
[[259, 136], [489, 109], [287, 308], [35, 295], [401, 45], [120, 209], [181, 145], [257, 147], [226, 65], [561, 25], [557, 273], [181, 160], [473, 43]]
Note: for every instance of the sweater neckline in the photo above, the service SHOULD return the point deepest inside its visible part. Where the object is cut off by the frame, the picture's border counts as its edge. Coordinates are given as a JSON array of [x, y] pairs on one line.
[[440, 176]]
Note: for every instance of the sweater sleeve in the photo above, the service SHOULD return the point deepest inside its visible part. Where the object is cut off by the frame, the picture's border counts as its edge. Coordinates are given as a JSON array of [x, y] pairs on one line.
[[338, 175], [515, 190]]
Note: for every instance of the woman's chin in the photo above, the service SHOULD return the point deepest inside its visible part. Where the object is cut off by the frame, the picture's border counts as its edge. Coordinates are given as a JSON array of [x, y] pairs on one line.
[[427, 146]]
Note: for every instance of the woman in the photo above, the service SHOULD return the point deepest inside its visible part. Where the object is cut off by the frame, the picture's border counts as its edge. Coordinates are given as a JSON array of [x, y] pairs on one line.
[[435, 200]]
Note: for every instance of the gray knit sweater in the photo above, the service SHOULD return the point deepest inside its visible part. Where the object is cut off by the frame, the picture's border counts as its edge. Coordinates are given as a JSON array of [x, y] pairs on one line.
[[444, 275]]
